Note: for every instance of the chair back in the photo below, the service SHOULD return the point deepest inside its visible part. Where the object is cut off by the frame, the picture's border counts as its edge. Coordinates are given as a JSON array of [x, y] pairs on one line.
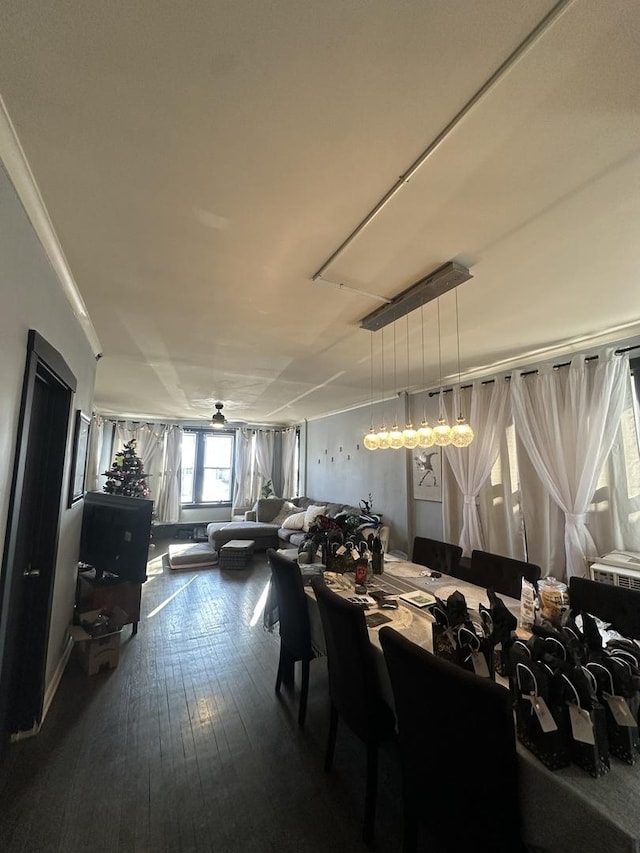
[[354, 680], [458, 749], [439, 556], [292, 605], [502, 574], [614, 604]]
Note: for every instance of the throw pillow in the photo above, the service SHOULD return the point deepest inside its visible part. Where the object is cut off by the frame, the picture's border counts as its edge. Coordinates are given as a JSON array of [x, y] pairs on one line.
[[311, 513], [295, 521], [285, 511]]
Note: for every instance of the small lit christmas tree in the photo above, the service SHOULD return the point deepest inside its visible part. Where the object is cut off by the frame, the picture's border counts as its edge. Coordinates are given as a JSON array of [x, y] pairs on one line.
[[126, 475]]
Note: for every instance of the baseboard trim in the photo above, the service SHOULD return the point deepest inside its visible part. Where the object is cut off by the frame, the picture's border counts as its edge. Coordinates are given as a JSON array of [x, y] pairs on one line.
[[52, 687], [49, 694]]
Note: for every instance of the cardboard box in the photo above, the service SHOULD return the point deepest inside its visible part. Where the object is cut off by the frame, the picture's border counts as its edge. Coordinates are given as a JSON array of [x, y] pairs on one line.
[[99, 653], [95, 654]]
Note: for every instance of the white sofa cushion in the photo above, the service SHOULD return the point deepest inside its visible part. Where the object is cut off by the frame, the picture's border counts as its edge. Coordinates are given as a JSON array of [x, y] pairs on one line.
[[295, 521], [311, 513]]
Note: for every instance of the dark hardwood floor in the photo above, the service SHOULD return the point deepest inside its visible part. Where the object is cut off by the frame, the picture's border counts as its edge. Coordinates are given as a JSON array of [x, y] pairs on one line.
[[185, 745]]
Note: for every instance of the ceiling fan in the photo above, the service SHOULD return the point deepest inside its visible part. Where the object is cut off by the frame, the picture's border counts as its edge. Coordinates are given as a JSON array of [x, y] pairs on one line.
[[218, 419]]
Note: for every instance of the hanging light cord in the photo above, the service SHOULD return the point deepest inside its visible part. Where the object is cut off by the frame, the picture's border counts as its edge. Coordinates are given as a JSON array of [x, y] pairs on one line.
[[408, 379], [440, 361], [458, 340], [382, 364], [424, 401], [395, 379], [371, 362]]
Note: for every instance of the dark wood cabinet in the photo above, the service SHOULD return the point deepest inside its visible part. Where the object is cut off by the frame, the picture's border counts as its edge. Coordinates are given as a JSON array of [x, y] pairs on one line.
[[104, 594]]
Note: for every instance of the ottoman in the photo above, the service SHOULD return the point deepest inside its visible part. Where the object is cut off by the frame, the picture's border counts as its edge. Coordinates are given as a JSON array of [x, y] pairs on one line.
[[236, 553], [192, 556]]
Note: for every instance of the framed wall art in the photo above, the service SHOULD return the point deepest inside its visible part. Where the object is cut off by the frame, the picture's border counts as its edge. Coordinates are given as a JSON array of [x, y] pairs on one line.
[[427, 473], [79, 460]]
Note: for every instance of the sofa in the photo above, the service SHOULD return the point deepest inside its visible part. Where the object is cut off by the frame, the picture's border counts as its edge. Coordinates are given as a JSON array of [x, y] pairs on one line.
[[264, 522]]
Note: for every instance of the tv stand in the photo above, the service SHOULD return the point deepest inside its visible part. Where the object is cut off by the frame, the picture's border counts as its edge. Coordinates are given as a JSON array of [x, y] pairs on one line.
[[106, 593]]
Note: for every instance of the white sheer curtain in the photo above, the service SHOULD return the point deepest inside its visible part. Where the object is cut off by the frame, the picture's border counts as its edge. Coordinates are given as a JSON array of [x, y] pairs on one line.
[[543, 520], [289, 441], [94, 453], [471, 466], [499, 503], [615, 509], [242, 493], [265, 442], [567, 422], [168, 504]]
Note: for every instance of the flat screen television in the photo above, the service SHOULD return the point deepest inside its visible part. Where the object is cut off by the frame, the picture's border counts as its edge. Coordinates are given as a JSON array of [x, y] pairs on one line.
[[115, 535]]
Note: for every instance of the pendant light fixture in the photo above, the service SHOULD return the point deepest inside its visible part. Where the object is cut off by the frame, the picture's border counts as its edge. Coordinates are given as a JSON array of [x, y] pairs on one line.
[[461, 432], [425, 432], [409, 434], [382, 434], [371, 440], [395, 435], [442, 430]]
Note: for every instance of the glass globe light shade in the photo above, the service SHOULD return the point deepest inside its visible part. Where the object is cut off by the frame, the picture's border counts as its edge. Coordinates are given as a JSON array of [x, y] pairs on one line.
[[409, 437], [442, 433], [395, 437], [383, 438], [461, 434], [425, 435], [371, 440]]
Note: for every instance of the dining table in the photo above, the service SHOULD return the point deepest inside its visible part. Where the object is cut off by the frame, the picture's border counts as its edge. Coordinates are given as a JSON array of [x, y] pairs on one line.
[[563, 811]]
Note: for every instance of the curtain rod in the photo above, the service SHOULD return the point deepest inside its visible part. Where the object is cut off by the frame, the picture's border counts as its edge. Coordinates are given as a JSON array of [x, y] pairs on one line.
[[531, 372]]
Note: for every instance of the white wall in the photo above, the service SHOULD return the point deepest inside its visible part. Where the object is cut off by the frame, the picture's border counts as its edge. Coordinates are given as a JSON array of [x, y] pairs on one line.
[[32, 298], [338, 468]]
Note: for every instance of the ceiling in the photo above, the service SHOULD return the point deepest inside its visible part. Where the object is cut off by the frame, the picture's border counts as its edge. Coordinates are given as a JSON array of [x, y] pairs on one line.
[[201, 162]]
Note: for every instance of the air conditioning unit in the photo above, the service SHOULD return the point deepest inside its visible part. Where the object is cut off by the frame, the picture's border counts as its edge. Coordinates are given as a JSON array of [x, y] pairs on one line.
[[618, 568]]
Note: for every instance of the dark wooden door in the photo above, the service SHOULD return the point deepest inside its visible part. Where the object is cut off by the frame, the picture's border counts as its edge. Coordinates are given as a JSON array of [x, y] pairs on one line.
[[32, 538]]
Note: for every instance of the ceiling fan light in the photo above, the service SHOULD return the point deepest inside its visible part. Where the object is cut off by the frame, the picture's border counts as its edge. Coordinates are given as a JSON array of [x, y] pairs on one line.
[[425, 435], [442, 433], [461, 434]]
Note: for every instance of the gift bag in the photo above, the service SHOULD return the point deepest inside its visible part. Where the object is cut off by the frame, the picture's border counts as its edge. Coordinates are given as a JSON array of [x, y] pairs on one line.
[[473, 652], [588, 742], [613, 685], [541, 722], [499, 627], [457, 639], [339, 557], [444, 640]]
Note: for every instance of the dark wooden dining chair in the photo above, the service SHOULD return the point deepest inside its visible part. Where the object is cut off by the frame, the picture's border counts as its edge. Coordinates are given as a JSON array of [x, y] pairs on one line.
[[458, 749], [354, 687], [440, 556], [614, 604], [293, 618], [502, 574]]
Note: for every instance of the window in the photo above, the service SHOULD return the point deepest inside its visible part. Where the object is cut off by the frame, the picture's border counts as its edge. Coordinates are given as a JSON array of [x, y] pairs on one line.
[[207, 467]]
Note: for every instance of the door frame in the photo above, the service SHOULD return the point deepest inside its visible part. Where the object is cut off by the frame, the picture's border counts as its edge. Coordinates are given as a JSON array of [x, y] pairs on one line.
[[39, 353]]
